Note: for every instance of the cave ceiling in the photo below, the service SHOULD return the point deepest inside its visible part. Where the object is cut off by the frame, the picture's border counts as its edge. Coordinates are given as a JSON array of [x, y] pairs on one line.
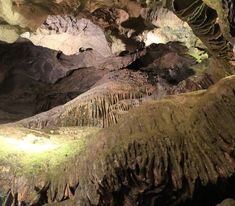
[[211, 21]]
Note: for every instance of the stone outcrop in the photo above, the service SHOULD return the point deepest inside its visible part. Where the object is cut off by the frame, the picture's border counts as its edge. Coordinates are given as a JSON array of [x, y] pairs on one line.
[[227, 202], [31, 75], [96, 117], [100, 106], [148, 158], [147, 166], [105, 95], [68, 34], [55, 78], [217, 35], [202, 20]]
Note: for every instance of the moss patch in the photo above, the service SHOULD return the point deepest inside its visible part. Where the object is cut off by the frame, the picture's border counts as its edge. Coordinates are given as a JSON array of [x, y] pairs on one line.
[[29, 151]]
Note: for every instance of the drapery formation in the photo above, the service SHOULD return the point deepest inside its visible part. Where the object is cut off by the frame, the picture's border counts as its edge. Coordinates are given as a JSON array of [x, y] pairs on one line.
[[204, 23]]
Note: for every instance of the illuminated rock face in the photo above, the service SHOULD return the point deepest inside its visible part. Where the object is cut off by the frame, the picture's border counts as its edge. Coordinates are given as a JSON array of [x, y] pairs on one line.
[[107, 132], [227, 202], [215, 35], [139, 160], [68, 34]]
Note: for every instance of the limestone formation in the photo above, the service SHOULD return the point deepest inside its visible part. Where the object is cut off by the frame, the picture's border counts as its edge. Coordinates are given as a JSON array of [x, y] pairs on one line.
[[117, 103], [217, 35], [148, 158], [68, 34]]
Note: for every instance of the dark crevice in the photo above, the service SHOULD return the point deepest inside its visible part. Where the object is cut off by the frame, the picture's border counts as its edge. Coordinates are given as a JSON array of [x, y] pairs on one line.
[[212, 194]]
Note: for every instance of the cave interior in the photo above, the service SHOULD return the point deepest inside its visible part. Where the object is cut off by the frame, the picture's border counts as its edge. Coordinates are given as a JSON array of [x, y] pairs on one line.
[[117, 103]]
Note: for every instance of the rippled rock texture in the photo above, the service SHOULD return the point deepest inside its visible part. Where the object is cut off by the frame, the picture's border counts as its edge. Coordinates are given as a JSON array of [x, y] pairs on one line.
[[150, 157], [37, 79], [98, 115]]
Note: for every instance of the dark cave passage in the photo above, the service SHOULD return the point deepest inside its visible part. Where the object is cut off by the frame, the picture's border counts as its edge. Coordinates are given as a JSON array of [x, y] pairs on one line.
[[210, 195]]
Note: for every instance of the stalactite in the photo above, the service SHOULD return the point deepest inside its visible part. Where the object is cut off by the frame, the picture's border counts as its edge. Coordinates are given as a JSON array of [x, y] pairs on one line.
[[162, 166], [97, 107], [203, 21]]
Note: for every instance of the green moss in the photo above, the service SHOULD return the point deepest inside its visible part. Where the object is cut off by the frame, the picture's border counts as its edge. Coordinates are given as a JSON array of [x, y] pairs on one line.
[[60, 145], [197, 54]]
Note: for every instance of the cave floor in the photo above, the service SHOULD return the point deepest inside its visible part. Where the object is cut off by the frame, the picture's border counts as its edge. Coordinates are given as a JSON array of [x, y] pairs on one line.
[[26, 151]]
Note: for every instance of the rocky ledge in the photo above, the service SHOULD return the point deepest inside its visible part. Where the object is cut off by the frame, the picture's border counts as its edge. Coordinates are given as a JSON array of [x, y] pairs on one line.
[[149, 157]]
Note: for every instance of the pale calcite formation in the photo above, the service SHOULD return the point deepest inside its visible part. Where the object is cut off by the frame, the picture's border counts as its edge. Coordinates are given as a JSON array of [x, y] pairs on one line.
[[8, 33], [170, 28], [85, 35]]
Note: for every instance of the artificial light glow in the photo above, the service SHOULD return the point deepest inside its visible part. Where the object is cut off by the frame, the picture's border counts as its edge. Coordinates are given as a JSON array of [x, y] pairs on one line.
[[155, 37], [29, 144]]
